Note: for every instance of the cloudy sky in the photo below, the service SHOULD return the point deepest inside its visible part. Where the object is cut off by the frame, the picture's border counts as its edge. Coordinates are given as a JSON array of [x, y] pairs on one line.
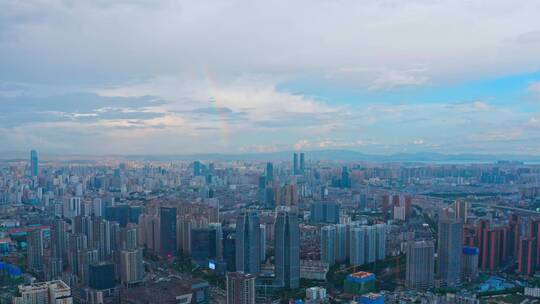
[[163, 77]]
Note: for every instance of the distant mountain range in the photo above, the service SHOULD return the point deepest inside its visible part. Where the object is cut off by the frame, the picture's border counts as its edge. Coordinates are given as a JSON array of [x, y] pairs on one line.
[[345, 155]]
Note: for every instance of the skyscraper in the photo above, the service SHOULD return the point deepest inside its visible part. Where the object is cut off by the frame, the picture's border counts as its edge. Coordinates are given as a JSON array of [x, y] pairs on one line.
[[302, 167], [240, 288], [449, 251], [371, 244], [341, 243], [287, 250], [167, 220], [77, 243], [248, 252], [420, 265], [357, 245], [59, 240], [462, 208], [34, 164], [380, 230], [328, 244], [35, 250], [269, 172], [295, 163], [325, 212]]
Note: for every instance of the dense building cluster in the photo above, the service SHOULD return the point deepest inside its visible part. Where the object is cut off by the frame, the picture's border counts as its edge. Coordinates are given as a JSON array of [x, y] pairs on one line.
[[135, 231]]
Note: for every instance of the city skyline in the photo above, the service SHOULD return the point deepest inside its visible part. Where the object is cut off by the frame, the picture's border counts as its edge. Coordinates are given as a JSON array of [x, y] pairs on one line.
[[172, 77]]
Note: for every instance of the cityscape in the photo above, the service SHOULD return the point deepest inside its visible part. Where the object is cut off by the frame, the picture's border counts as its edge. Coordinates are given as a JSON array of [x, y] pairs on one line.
[[269, 152], [301, 230]]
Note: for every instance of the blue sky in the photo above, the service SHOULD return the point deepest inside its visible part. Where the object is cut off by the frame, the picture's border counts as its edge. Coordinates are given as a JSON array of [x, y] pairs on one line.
[[390, 76]]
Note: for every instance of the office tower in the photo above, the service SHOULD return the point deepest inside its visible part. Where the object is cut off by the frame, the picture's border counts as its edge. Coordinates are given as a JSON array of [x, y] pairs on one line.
[[380, 230], [59, 240], [240, 288], [51, 292], [202, 245], [341, 243], [101, 275], [295, 163], [34, 164], [131, 267], [128, 237], [469, 264], [270, 198], [77, 242], [269, 172], [287, 250], [325, 212], [196, 168], [371, 244], [229, 248], [35, 250], [345, 180], [449, 251], [118, 213], [527, 256], [167, 217], [420, 265], [328, 244], [357, 245], [216, 238], [263, 242], [302, 167], [248, 235], [462, 209]]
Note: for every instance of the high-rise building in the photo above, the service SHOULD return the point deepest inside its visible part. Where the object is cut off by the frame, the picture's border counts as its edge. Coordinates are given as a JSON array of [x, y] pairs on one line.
[[59, 240], [269, 172], [449, 251], [328, 244], [302, 165], [527, 256], [101, 275], [371, 244], [469, 264], [131, 266], [287, 250], [167, 219], [420, 265], [229, 249], [102, 238], [240, 288], [357, 245], [325, 212], [462, 209], [295, 163], [196, 168], [51, 292], [129, 238], [262, 240], [248, 252], [380, 250], [35, 250], [77, 242], [34, 163], [341, 243]]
